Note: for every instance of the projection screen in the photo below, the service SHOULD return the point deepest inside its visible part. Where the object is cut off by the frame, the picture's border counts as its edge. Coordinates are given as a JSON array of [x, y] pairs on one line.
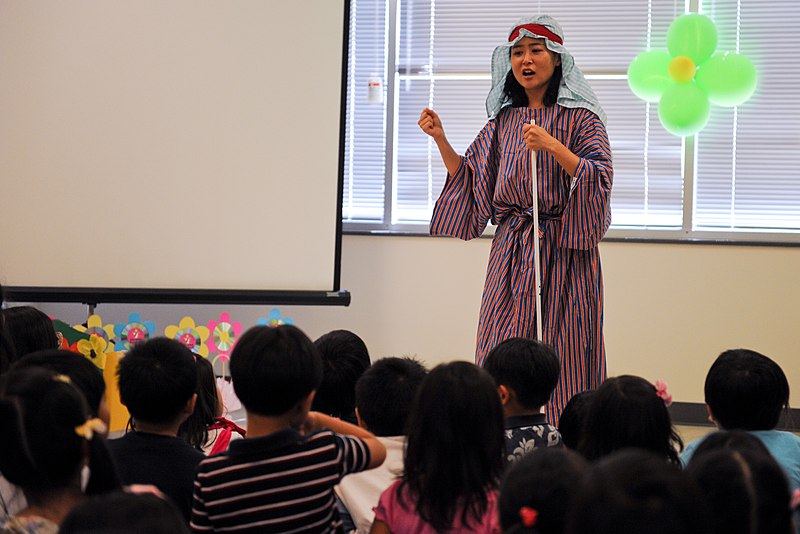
[[172, 150]]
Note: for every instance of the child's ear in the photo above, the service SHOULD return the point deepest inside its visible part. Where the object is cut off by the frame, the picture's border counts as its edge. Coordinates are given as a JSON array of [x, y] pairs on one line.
[[190, 404], [304, 405], [505, 394], [711, 418], [360, 421]]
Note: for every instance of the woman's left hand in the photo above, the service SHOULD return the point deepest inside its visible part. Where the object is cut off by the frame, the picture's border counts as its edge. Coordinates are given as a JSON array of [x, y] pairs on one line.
[[537, 138]]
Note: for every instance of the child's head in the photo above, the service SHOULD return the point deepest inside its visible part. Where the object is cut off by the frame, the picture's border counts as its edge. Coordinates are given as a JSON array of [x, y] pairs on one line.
[[573, 417], [125, 513], [46, 438], [525, 370], [29, 330], [274, 368], [626, 411], [157, 381], [6, 352], [208, 407], [746, 390], [745, 488], [384, 394], [84, 375], [344, 359], [738, 440], [454, 452], [537, 489], [637, 492]]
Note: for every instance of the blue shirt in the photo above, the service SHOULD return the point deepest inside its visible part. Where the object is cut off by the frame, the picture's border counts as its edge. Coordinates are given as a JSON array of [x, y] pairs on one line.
[[784, 446]]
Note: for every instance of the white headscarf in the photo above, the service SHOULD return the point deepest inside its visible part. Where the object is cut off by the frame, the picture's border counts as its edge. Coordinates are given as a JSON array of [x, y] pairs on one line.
[[574, 91]]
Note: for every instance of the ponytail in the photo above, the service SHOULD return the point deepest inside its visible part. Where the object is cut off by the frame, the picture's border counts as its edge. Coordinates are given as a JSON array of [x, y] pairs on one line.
[[45, 447]]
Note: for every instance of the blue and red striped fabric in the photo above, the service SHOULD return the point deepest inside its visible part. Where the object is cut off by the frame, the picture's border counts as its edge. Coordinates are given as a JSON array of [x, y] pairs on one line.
[[493, 182]]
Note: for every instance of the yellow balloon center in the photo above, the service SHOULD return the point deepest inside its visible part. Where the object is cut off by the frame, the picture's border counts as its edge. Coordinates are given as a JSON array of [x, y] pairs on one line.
[[681, 69]]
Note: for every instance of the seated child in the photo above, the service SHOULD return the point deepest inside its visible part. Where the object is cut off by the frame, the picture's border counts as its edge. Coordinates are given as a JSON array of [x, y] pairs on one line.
[[745, 390], [454, 457], [85, 376], [536, 491], [206, 429], [627, 411], [280, 477], [573, 417], [635, 491], [125, 513], [526, 373], [745, 488], [384, 394], [158, 383], [49, 436], [6, 350], [344, 359], [28, 330]]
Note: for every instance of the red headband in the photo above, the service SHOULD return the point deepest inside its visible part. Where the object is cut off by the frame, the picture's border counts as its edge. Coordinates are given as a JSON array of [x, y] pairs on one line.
[[536, 29]]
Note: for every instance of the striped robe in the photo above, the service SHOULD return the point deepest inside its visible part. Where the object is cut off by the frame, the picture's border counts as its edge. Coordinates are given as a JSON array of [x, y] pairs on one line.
[[493, 182]]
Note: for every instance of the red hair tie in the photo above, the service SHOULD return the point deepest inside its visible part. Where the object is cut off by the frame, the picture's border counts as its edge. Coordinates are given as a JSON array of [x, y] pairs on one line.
[[528, 516], [536, 29]]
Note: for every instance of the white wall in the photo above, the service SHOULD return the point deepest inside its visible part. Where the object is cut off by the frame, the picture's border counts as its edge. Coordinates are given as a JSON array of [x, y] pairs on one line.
[[670, 309]]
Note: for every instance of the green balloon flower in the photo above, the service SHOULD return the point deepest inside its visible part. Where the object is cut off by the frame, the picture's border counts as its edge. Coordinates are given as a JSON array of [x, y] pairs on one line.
[[690, 77]]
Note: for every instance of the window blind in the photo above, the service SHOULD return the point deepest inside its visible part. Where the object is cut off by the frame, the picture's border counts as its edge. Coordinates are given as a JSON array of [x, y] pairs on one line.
[[746, 173], [742, 179]]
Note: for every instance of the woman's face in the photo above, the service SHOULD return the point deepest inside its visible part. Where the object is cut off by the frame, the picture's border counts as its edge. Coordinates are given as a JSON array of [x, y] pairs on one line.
[[533, 64]]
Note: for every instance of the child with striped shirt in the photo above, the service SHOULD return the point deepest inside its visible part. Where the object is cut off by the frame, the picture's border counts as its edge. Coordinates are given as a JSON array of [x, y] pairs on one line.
[[280, 478]]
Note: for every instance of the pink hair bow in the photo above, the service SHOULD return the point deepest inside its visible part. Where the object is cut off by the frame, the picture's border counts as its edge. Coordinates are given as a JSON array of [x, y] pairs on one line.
[[661, 391]]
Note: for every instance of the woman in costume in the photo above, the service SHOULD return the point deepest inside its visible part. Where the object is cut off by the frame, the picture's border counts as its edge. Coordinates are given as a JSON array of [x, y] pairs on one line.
[[534, 78]]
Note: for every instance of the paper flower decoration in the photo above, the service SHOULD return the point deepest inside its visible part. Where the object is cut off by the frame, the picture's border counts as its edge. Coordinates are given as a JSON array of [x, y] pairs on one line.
[[194, 337], [274, 319], [94, 348], [68, 336], [94, 327], [223, 334], [690, 77], [133, 332]]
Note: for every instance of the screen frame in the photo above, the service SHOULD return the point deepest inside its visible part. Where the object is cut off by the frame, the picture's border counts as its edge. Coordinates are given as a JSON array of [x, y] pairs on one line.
[[333, 297]]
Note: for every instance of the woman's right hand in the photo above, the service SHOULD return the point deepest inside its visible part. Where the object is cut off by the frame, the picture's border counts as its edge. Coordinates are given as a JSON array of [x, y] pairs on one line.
[[431, 124]]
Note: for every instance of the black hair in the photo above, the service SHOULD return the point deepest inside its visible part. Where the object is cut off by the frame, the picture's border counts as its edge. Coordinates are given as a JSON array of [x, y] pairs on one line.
[[6, 351], [273, 368], [746, 489], [454, 452], [573, 417], [156, 379], [344, 359], [746, 390], [41, 451], [626, 412], [195, 429], [29, 330], [125, 513], [519, 98], [85, 375], [730, 439], [384, 394], [528, 367], [544, 481], [637, 492]]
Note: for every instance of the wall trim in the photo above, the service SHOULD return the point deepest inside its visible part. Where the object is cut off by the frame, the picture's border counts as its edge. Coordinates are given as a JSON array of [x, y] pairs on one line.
[[694, 413]]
